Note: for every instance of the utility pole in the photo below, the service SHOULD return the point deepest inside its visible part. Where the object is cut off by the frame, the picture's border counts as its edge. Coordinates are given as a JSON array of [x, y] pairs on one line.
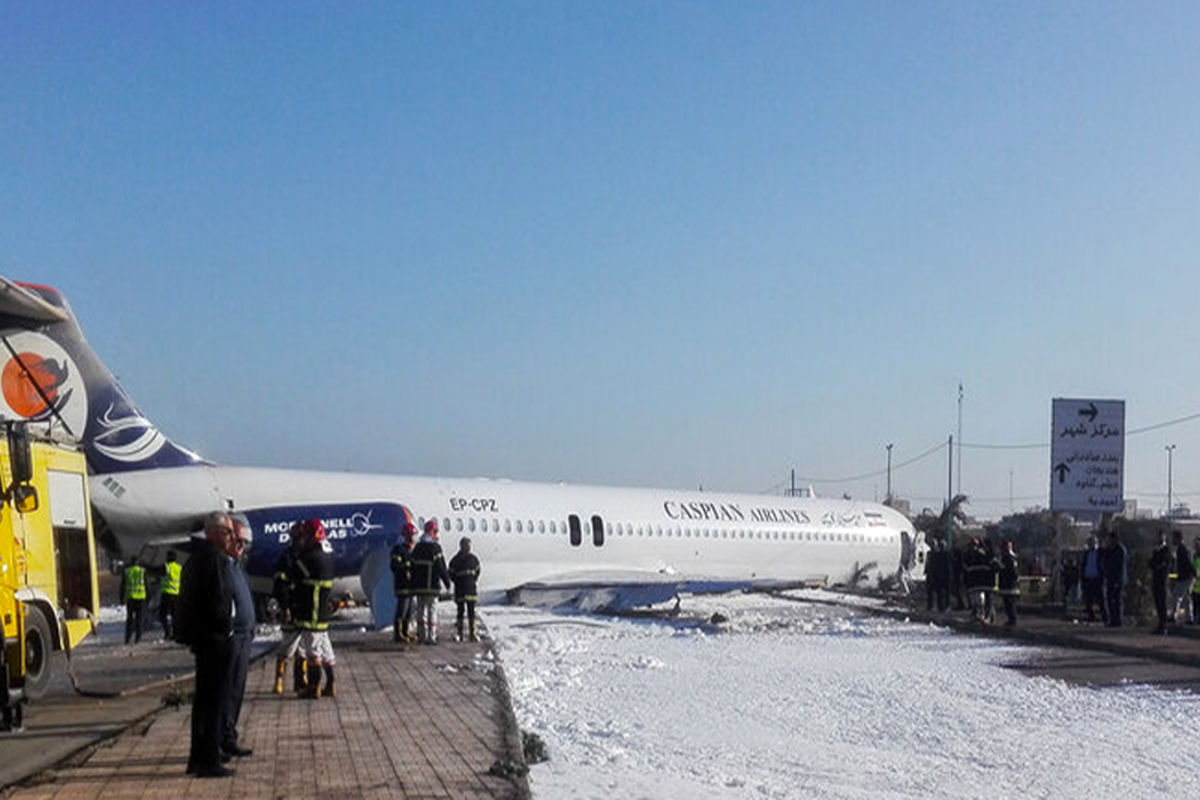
[[949, 493], [888, 498], [1170, 464], [960, 399]]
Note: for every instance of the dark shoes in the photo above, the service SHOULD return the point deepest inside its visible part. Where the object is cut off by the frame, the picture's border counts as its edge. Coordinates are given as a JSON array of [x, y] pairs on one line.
[[217, 771], [234, 750]]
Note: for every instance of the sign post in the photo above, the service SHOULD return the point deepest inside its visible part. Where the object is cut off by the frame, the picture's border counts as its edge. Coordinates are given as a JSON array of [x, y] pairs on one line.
[[1087, 455]]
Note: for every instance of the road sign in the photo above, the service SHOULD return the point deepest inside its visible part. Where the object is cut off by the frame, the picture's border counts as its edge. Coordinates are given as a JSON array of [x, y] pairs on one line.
[[1087, 455]]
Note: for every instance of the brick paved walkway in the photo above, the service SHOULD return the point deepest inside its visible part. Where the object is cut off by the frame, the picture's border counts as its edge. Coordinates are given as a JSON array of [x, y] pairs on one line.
[[373, 741]]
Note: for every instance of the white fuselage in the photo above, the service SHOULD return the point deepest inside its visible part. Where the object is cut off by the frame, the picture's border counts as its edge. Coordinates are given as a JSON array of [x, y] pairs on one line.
[[523, 532]]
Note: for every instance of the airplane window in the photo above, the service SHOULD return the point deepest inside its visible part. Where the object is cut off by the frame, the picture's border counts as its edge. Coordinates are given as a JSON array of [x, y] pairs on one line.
[[420, 523], [541, 526], [508, 526], [575, 529], [597, 531], [471, 525]]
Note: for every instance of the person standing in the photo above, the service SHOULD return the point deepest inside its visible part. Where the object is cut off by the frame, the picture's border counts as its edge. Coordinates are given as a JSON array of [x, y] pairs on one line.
[[1185, 578], [285, 593], [406, 604], [243, 635], [204, 622], [133, 592], [1007, 582], [1114, 561], [464, 571], [429, 574], [1161, 561], [1070, 578], [1195, 582], [314, 607], [1092, 575], [170, 594]]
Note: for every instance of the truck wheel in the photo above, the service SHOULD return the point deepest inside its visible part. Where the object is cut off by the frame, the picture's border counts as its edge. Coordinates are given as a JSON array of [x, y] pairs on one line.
[[39, 653]]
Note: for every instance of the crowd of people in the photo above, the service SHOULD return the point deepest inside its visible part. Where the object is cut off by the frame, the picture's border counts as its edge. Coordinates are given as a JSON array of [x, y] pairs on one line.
[[973, 574]]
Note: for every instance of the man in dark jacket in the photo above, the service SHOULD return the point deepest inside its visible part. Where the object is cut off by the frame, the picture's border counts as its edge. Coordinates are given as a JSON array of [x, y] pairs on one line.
[[406, 604], [1114, 560], [244, 620], [464, 571], [429, 574], [1161, 562], [205, 623], [937, 575], [1091, 572]]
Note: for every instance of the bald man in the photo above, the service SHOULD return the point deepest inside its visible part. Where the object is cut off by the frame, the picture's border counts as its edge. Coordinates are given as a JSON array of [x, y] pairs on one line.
[[204, 622]]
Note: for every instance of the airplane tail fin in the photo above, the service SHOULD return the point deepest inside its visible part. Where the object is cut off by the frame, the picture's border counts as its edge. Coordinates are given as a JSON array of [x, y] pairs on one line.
[[50, 375]]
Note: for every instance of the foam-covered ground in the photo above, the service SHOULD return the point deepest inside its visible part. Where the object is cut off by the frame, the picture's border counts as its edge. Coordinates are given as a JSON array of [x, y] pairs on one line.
[[796, 700]]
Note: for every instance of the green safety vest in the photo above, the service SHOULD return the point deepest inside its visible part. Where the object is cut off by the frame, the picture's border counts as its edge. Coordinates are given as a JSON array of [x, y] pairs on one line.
[[1196, 585], [135, 583], [171, 579]]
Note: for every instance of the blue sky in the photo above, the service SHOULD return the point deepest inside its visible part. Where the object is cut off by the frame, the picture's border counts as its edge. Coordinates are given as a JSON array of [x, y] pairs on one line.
[[668, 244]]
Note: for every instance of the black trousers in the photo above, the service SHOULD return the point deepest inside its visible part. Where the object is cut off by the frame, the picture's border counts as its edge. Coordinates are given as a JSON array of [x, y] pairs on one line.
[[134, 610], [1010, 608], [470, 609], [209, 706], [1093, 595], [1112, 593], [1159, 590], [166, 615], [235, 689]]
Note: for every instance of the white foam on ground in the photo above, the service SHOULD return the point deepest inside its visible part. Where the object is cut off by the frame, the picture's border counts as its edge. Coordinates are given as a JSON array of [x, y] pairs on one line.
[[793, 700]]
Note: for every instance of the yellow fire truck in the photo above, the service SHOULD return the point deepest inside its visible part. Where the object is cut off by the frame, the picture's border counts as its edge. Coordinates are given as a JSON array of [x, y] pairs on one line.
[[48, 588]]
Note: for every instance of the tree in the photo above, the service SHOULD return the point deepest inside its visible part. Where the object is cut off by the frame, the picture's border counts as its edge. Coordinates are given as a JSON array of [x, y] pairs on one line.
[[952, 518]]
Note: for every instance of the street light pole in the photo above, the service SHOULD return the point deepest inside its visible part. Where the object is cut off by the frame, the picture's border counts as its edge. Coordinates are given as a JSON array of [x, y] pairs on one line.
[[1170, 464], [888, 501]]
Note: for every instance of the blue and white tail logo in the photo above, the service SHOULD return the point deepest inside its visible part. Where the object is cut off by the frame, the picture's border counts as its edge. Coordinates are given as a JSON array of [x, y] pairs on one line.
[[51, 375]]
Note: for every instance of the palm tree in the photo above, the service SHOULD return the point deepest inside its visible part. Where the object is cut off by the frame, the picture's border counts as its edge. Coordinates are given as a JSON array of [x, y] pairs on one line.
[[951, 520]]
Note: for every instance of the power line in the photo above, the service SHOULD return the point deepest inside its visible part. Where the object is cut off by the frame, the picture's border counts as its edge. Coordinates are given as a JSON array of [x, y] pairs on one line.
[[876, 473]]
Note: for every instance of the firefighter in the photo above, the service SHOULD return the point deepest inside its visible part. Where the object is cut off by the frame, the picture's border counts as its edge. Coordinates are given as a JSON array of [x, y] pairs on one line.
[[464, 571], [977, 577], [406, 604], [170, 595], [313, 582], [1007, 581], [286, 594], [429, 574], [133, 592]]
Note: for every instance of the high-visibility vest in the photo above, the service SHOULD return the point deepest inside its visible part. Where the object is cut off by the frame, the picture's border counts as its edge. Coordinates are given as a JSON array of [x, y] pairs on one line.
[[135, 583], [1196, 585], [171, 579]]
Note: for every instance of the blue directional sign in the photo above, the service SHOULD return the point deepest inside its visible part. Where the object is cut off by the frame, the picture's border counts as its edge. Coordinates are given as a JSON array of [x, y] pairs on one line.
[[1087, 455]]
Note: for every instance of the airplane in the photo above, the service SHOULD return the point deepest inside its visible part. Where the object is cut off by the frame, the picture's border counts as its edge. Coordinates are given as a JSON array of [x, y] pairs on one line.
[[604, 547]]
